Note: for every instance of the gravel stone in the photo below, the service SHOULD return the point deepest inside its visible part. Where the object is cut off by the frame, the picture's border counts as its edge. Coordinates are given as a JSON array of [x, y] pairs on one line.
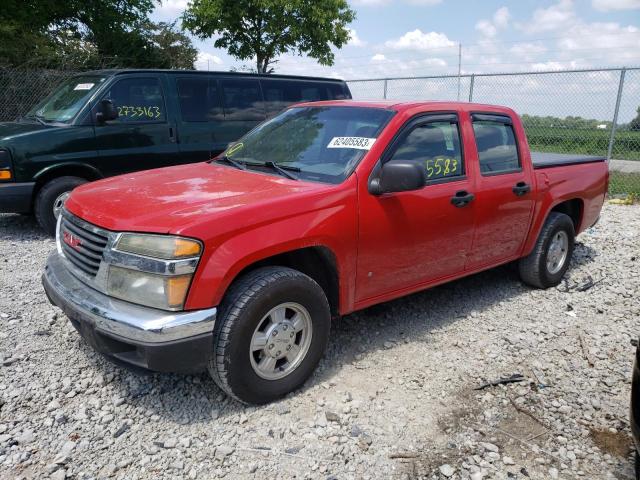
[[367, 405]]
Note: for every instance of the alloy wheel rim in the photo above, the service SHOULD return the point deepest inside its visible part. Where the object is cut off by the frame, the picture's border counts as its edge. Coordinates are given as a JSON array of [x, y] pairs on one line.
[[557, 253], [58, 204], [281, 341]]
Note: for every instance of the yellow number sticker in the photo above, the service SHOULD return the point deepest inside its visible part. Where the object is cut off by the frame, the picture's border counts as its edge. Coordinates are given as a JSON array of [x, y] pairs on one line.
[[131, 111], [237, 147]]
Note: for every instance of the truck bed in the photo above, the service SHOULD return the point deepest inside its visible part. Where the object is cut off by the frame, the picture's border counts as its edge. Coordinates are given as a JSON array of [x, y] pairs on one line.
[[550, 160]]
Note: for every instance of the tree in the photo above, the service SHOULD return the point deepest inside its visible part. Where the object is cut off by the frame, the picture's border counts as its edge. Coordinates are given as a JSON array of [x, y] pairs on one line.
[[174, 47], [90, 34], [264, 29], [635, 123]]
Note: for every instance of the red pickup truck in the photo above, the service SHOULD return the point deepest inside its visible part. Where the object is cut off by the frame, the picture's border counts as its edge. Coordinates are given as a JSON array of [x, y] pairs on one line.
[[238, 265]]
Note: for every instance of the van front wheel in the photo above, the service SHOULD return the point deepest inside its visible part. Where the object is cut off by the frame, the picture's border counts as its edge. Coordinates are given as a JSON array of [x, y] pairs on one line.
[[50, 200], [272, 329]]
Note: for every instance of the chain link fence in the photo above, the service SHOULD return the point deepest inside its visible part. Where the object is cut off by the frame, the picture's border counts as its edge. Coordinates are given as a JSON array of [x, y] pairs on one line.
[[593, 112]]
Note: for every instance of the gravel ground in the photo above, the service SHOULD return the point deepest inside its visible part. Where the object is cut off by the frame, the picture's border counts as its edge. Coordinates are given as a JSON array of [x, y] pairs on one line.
[[395, 396]]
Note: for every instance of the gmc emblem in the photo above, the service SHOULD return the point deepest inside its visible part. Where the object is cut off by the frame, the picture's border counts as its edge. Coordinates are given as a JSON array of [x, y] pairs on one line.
[[71, 240]]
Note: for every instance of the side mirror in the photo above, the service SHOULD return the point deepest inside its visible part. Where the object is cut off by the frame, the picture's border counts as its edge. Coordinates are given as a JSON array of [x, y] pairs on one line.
[[397, 176], [106, 111]]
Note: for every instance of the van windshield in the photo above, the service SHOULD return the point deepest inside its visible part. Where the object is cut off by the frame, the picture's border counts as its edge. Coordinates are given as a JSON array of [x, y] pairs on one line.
[[317, 143], [65, 102]]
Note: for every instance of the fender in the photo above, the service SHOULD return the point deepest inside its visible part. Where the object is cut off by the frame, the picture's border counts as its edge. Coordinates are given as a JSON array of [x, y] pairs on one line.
[[333, 228]]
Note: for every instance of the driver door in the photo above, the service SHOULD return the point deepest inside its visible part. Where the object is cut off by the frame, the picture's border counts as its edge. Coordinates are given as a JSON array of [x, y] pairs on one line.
[[143, 136], [410, 239]]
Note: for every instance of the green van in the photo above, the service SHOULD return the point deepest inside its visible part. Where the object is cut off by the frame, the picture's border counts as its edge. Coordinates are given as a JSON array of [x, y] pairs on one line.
[[105, 123]]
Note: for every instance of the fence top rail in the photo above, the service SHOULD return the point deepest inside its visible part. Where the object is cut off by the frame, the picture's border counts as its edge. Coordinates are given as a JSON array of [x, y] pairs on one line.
[[496, 74]]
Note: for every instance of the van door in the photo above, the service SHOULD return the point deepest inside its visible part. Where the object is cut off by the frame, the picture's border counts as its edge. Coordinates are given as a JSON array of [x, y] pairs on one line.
[[200, 118], [144, 134]]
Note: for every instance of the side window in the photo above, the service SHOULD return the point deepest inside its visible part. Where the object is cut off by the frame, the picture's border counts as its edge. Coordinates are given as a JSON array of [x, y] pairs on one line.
[[277, 95], [313, 92], [138, 100], [242, 100], [435, 147], [337, 91], [199, 99], [497, 151]]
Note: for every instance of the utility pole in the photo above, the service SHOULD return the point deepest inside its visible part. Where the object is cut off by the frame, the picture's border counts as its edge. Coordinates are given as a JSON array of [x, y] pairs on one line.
[[459, 67]]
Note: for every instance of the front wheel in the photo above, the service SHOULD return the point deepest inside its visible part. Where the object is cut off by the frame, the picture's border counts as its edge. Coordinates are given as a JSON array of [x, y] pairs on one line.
[[272, 330], [545, 266], [50, 201]]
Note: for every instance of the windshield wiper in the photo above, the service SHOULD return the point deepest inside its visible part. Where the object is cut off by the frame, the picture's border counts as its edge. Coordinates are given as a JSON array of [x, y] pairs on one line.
[[37, 118], [284, 170], [231, 161]]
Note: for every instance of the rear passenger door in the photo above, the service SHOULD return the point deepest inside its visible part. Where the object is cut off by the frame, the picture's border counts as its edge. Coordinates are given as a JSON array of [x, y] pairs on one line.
[[200, 119], [504, 206], [144, 135]]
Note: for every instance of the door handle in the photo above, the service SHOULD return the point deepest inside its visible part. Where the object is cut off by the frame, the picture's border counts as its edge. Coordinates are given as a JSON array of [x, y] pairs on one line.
[[521, 188], [172, 135], [462, 198]]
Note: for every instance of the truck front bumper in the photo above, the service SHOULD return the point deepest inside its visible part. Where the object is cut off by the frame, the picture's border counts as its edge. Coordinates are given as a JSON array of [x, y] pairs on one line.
[[140, 336], [16, 197]]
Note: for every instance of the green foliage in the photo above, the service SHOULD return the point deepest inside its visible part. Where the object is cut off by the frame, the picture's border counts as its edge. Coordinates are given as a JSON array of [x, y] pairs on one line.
[[635, 123], [86, 33], [265, 29]]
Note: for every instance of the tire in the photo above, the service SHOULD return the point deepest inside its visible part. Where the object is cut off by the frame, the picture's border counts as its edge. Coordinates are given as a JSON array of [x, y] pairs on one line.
[[534, 268], [47, 197], [637, 465], [243, 311]]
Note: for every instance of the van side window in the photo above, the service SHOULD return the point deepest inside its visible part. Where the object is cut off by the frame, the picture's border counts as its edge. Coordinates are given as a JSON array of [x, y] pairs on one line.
[[242, 100], [138, 100], [497, 151], [337, 91], [434, 146], [199, 99], [278, 94]]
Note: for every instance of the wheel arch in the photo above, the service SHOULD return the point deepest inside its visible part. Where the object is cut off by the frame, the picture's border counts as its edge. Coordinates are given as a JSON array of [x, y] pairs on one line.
[[573, 208], [72, 169], [318, 262]]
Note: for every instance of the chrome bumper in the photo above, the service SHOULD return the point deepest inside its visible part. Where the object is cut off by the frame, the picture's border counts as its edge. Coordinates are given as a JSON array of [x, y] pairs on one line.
[[115, 317]]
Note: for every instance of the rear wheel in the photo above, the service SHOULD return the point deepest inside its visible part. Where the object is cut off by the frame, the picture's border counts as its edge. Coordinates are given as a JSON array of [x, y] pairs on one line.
[[50, 201], [545, 266], [272, 330]]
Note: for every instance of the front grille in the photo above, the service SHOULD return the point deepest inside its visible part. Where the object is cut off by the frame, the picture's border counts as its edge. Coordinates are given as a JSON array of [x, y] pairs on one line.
[[82, 246]]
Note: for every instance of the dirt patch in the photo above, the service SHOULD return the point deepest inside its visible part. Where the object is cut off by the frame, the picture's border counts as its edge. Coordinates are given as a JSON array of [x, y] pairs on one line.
[[618, 444]]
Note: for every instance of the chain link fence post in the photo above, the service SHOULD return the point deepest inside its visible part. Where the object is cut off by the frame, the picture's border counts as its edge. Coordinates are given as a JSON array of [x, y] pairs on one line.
[[614, 124], [471, 82], [384, 95]]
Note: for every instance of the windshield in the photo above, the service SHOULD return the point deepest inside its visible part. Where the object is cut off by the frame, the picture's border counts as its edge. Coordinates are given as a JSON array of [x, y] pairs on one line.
[[319, 143], [64, 103]]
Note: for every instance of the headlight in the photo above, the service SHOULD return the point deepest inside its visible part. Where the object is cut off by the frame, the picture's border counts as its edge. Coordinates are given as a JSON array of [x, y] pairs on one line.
[[158, 246], [157, 291], [5, 165], [153, 270]]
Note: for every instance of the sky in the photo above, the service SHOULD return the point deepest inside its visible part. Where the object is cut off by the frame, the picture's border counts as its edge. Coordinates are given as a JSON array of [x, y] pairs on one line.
[[422, 37]]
